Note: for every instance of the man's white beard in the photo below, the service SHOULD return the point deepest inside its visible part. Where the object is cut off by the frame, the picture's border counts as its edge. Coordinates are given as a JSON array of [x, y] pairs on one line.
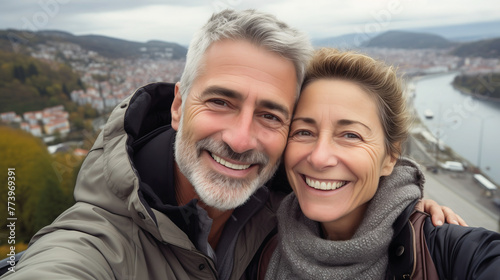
[[214, 189]]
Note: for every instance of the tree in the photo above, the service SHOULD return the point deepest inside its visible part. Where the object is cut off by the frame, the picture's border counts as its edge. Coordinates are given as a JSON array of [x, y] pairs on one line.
[[481, 85], [66, 165], [50, 204], [65, 90], [33, 173], [19, 73], [32, 70], [29, 84]]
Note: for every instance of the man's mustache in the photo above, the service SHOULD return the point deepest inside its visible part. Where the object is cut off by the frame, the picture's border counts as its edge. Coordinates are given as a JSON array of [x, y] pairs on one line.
[[222, 149]]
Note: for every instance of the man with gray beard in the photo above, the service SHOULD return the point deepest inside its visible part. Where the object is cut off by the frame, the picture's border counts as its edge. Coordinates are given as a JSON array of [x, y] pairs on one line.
[[172, 188], [142, 213]]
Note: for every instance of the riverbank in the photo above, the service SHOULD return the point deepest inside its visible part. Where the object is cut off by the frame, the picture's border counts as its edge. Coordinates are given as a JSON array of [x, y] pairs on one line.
[[467, 91], [438, 152], [467, 128], [488, 84], [430, 152]]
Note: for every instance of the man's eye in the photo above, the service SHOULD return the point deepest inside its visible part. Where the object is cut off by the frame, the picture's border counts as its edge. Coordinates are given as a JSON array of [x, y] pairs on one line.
[[271, 117], [218, 102]]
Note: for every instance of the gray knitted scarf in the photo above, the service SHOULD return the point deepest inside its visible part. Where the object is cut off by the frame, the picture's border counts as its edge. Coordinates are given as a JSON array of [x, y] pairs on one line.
[[303, 254]]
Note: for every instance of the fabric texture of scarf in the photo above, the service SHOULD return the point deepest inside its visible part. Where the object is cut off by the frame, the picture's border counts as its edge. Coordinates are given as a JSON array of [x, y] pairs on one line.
[[303, 254]]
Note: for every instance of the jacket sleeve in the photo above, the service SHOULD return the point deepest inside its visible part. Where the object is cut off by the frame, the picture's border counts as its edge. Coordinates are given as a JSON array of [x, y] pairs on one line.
[[58, 256], [463, 252]]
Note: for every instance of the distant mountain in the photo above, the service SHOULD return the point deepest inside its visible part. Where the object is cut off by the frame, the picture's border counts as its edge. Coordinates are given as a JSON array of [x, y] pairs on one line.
[[105, 46], [489, 48], [465, 32], [484, 48], [389, 39], [347, 41], [407, 40]]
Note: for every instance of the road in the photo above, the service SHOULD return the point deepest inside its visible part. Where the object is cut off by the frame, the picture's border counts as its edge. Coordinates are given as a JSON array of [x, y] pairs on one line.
[[468, 204], [457, 191]]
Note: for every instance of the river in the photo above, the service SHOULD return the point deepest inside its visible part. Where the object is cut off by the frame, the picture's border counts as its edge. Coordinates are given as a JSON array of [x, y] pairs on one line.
[[469, 126]]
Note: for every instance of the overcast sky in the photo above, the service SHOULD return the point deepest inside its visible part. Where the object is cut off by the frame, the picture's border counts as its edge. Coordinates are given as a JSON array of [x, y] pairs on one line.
[[176, 20]]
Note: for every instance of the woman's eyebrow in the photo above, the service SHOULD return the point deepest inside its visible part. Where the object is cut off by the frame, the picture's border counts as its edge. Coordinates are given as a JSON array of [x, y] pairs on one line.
[[342, 122], [346, 122], [304, 119]]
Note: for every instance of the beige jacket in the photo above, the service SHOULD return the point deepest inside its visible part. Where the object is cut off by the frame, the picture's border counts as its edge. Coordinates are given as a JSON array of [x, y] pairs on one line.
[[109, 233]]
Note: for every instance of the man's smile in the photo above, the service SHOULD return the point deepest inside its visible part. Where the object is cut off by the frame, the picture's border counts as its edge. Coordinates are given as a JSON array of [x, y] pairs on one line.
[[229, 164]]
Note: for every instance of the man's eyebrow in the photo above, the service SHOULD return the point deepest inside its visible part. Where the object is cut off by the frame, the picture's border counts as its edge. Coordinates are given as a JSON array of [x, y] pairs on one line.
[[271, 105], [221, 91]]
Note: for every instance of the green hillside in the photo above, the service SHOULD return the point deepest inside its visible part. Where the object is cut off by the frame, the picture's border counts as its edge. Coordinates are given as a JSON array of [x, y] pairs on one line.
[[28, 84], [485, 86], [41, 190], [484, 48], [18, 40]]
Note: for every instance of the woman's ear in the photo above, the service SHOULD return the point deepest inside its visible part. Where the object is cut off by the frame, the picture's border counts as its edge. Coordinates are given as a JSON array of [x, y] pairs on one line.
[[176, 109], [390, 160], [388, 165]]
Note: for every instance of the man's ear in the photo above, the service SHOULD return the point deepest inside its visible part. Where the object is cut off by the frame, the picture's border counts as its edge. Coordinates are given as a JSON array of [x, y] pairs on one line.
[[176, 109]]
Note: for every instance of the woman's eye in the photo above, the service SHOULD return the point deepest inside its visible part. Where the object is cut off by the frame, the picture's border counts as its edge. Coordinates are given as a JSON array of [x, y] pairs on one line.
[[352, 136], [301, 133]]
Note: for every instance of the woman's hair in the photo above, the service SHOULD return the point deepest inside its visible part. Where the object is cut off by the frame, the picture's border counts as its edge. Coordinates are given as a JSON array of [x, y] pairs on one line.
[[260, 29], [376, 78]]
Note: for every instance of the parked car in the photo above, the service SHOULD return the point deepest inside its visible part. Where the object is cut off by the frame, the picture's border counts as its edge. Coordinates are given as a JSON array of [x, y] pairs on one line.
[[453, 166]]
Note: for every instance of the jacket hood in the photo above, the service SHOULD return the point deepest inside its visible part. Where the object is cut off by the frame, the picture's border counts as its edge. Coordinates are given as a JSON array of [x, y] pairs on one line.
[[108, 178]]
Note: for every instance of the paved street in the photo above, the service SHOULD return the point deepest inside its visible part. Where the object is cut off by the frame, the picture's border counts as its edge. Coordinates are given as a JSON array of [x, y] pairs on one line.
[[472, 205], [457, 191]]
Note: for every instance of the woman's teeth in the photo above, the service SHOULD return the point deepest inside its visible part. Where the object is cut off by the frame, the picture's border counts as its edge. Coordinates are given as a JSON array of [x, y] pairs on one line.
[[324, 185]]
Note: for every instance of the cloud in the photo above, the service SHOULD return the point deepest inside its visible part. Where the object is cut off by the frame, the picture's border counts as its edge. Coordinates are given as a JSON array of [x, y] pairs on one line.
[[160, 22], [133, 20], [176, 21]]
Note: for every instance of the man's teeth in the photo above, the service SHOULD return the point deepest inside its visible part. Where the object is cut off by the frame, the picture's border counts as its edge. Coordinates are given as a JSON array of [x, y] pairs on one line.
[[323, 185], [230, 165]]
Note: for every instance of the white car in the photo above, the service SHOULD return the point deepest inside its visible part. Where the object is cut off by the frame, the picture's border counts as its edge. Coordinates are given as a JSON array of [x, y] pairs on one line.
[[453, 166]]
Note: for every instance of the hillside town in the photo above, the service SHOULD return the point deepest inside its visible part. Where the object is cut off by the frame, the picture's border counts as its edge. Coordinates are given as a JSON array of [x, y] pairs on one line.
[[431, 61], [109, 81], [48, 121]]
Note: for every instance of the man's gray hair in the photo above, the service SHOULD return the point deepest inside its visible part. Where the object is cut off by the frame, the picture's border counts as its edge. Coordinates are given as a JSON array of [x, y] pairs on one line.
[[256, 27]]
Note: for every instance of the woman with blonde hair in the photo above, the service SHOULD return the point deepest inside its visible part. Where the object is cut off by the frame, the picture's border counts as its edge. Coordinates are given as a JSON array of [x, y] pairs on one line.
[[351, 215]]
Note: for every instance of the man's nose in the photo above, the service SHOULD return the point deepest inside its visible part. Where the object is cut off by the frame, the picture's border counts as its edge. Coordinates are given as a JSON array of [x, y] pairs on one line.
[[241, 135]]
